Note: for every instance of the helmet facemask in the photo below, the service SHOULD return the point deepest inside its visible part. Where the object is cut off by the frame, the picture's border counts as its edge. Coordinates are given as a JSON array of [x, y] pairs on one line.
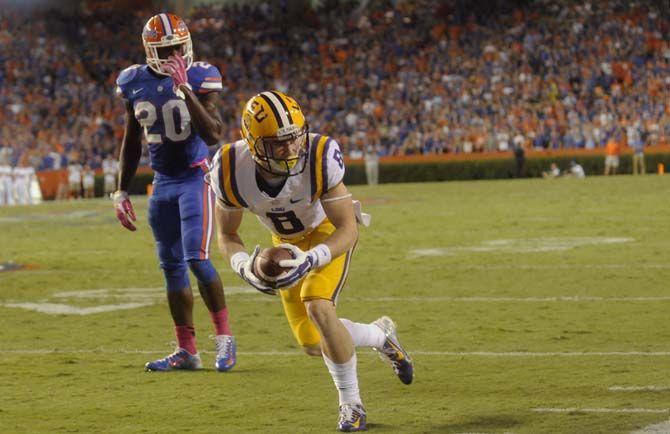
[[284, 154], [155, 61]]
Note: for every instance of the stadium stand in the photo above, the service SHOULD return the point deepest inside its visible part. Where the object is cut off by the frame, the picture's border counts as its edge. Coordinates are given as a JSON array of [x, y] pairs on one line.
[[409, 78]]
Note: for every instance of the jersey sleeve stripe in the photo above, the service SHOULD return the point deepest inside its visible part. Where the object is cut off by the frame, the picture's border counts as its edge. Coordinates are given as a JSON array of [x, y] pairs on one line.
[[344, 275], [324, 165], [312, 163], [319, 166], [212, 85], [224, 178], [214, 179], [233, 181], [204, 242]]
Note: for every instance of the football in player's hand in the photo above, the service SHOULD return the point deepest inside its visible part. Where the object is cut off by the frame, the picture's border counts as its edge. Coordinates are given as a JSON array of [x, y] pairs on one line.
[[267, 266]]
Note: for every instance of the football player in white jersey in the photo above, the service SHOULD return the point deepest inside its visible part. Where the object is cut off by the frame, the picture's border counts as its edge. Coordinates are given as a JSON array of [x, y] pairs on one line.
[[6, 188], [292, 180], [88, 182], [74, 179], [110, 168], [22, 185]]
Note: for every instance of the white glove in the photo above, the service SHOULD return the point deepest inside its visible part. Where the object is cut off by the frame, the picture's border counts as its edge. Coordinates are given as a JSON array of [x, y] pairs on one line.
[[302, 263], [243, 265]]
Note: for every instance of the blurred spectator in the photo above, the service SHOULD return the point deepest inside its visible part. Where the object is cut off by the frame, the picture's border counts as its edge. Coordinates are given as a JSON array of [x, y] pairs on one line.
[[613, 149], [110, 168], [63, 186], [634, 136], [519, 159], [23, 177], [372, 165], [414, 77], [74, 172], [6, 184], [575, 171], [553, 172], [88, 182]]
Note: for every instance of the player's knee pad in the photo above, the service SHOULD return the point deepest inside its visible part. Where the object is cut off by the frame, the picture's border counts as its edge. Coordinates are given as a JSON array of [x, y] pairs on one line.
[[203, 270], [176, 276]]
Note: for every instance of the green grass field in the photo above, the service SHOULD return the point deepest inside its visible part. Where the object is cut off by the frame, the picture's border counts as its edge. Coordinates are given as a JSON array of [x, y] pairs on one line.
[[530, 306]]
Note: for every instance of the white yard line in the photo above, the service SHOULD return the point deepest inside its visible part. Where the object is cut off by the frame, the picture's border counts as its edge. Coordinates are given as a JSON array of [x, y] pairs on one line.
[[381, 269], [520, 245], [115, 299], [546, 354], [550, 266], [639, 388], [657, 428], [66, 309], [480, 299], [139, 292], [104, 350], [601, 410]]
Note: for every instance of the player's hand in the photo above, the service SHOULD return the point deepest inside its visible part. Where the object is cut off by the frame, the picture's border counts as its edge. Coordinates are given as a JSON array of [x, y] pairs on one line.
[[176, 67], [300, 265], [124, 210], [243, 264]]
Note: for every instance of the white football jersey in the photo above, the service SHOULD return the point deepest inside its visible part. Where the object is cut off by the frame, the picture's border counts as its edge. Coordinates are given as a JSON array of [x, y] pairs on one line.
[[20, 175], [110, 166], [74, 172], [297, 209], [89, 178], [5, 172]]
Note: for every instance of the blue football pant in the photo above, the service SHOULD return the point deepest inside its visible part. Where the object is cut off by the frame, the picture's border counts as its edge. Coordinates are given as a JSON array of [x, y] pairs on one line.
[[180, 216]]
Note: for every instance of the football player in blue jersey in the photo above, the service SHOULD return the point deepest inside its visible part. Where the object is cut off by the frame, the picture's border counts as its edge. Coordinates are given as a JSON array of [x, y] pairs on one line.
[[172, 100]]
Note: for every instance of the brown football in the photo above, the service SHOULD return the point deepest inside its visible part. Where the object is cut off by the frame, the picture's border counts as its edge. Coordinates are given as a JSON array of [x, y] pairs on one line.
[[267, 265]]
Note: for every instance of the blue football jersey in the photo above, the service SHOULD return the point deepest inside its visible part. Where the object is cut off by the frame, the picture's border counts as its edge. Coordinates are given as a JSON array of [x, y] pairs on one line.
[[174, 145]]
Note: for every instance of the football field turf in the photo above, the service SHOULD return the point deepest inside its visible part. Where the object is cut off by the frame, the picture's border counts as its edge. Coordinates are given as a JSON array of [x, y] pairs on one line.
[[529, 306]]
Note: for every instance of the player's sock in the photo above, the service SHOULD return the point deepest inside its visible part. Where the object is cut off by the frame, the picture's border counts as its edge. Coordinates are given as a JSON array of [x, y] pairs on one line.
[[186, 338], [364, 335], [345, 379], [220, 320]]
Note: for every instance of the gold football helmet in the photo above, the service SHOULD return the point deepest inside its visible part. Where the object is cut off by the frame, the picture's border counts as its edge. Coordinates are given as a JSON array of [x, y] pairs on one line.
[[276, 132]]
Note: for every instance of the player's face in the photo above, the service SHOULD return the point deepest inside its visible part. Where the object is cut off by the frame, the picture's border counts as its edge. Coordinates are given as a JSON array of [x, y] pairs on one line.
[[284, 157], [165, 52], [285, 149]]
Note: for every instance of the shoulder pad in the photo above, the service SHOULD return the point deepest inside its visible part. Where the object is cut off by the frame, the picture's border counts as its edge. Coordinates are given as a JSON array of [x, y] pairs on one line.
[[204, 77], [128, 74], [325, 164], [223, 179]]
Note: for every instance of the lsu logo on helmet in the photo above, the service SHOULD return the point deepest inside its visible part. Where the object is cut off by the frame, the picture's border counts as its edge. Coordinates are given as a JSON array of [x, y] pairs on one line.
[[276, 132], [166, 30]]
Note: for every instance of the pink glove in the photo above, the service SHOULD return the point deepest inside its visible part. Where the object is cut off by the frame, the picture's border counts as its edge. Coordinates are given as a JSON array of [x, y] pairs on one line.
[[124, 210], [176, 67]]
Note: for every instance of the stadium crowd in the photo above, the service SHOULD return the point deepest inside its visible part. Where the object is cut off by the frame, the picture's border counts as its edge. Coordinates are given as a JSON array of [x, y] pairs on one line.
[[403, 77]]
